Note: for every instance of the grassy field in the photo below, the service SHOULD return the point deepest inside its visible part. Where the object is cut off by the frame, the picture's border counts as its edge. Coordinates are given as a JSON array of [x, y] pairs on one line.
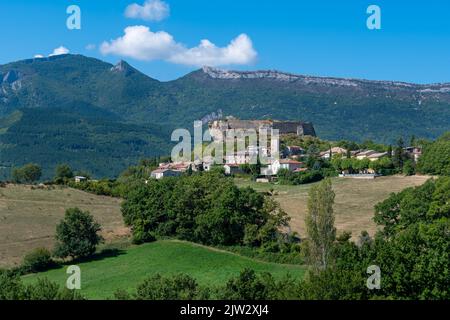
[[28, 217], [354, 203], [212, 267]]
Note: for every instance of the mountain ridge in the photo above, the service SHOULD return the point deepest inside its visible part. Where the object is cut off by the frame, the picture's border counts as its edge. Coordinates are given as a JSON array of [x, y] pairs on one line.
[[83, 89], [209, 69], [272, 73]]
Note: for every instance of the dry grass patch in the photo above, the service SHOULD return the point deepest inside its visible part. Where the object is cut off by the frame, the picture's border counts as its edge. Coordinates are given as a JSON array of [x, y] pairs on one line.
[[28, 217], [354, 204]]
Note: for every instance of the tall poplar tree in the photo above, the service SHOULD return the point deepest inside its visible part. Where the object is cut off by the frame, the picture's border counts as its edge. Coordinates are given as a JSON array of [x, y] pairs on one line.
[[320, 223]]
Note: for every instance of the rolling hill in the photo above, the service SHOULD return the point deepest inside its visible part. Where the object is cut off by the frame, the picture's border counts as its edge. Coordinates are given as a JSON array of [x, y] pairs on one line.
[[90, 112], [29, 215]]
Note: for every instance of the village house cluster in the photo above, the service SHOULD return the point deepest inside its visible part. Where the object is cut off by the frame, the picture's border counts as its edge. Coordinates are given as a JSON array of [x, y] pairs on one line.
[[291, 158], [169, 169], [218, 129]]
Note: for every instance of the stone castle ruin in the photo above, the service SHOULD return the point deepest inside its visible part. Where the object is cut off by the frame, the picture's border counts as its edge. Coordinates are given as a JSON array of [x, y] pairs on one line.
[[285, 127]]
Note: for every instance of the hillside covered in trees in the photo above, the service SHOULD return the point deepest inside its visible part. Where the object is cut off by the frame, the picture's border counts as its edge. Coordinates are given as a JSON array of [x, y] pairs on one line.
[[86, 112]]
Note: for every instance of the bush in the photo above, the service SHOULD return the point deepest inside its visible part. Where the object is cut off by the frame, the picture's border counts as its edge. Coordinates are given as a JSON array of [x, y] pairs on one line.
[[333, 284], [252, 286], [77, 235], [408, 168], [296, 178], [38, 260], [177, 287], [11, 287], [289, 257], [111, 188], [122, 295], [43, 290], [248, 286]]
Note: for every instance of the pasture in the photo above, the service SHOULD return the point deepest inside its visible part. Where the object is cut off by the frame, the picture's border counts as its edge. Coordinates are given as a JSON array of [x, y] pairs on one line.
[[29, 215], [126, 268], [354, 203]]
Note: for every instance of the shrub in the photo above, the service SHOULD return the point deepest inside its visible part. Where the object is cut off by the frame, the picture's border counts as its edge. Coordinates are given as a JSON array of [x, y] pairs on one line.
[[45, 289], [38, 260], [408, 168], [291, 256], [122, 295], [177, 287], [296, 178], [249, 286], [11, 287]]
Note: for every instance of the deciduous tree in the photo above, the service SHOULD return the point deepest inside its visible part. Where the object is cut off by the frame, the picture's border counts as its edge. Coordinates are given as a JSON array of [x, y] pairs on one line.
[[320, 223]]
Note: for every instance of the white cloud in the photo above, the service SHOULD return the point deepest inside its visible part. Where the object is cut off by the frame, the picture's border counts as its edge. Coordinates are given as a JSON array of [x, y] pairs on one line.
[[58, 51], [151, 10], [142, 44], [239, 51], [139, 42]]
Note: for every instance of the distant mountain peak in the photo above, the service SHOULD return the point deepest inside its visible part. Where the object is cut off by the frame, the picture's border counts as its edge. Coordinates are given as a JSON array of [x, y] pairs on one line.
[[123, 66]]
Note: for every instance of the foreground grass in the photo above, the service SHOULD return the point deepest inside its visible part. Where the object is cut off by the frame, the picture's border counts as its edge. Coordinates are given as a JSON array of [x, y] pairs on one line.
[[212, 267]]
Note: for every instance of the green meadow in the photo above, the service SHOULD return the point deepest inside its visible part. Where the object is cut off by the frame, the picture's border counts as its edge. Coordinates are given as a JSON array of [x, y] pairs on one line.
[[126, 268]]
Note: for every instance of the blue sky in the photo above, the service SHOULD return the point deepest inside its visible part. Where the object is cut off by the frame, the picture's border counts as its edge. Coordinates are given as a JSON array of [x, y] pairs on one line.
[[320, 37]]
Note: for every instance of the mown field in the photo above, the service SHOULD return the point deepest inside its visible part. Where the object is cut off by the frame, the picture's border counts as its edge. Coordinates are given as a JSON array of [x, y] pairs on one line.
[[28, 217], [128, 267], [354, 203]]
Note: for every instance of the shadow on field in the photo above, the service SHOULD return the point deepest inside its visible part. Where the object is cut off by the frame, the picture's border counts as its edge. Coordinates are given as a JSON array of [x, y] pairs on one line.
[[104, 254]]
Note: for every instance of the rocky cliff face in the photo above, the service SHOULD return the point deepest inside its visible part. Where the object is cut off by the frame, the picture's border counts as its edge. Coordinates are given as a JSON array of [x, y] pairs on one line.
[[123, 67], [216, 73], [11, 79]]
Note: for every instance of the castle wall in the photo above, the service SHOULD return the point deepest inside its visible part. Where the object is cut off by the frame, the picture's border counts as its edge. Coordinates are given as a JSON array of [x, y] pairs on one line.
[[284, 127]]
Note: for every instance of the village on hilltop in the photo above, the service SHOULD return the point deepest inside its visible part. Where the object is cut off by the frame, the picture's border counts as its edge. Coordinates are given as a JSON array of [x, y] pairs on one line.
[[291, 157]]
